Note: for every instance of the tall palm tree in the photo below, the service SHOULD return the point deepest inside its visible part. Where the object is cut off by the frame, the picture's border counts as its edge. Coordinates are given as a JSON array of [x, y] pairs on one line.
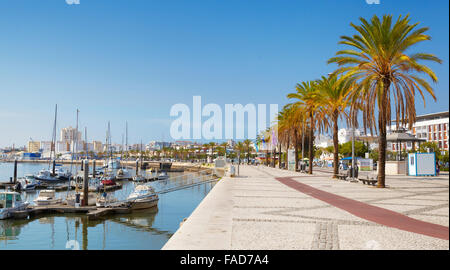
[[248, 147], [240, 147], [335, 97], [309, 98], [380, 62]]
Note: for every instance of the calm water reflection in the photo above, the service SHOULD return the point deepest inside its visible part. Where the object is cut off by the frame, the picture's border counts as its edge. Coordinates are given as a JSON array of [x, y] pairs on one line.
[[144, 229]]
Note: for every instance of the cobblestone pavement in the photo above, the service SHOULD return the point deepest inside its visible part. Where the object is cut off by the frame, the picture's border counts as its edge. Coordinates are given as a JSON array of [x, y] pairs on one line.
[[266, 214]]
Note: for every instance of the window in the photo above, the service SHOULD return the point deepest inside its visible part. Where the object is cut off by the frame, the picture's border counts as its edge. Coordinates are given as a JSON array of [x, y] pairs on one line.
[[412, 161]]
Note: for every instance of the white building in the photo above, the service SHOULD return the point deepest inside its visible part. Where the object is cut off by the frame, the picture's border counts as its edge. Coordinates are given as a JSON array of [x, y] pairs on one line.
[[323, 141], [46, 146], [62, 147], [345, 135], [70, 134], [433, 127]]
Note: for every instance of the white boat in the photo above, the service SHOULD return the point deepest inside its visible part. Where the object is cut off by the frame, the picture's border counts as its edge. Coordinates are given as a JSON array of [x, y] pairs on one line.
[[47, 197], [139, 178], [47, 175], [123, 174], [92, 198], [162, 176], [10, 202], [143, 197], [28, 182], [105, 199], [113, 164]]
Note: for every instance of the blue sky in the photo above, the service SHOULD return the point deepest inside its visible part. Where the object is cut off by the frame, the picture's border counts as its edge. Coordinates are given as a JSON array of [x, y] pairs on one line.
[[132, 60]]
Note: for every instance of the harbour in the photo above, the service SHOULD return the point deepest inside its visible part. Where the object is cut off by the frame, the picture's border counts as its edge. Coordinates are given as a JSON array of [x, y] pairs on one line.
[[177, 199]]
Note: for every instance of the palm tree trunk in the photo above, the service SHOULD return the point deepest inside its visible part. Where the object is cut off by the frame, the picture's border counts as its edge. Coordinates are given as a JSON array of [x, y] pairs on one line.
[[335, 144], [311, 144], [279, 155], [296, 150], [286, 157], [382, 121]]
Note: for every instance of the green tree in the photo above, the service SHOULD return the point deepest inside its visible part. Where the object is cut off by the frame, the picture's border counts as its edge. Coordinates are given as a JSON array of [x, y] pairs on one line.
[[387, 74]]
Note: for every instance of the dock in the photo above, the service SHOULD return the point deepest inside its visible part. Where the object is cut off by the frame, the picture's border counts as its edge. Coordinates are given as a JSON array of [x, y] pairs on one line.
[[92, 212]]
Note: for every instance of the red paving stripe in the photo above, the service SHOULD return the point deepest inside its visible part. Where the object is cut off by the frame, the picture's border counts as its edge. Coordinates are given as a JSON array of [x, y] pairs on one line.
[[369, 212]]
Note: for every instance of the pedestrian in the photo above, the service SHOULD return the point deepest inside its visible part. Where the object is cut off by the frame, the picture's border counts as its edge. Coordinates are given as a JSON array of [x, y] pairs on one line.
[[437, 168]]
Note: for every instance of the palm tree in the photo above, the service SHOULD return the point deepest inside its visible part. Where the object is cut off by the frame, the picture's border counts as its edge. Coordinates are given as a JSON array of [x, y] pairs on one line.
[[248, 147], [240, 147], [379, 62], [335, 93], [309, 101]]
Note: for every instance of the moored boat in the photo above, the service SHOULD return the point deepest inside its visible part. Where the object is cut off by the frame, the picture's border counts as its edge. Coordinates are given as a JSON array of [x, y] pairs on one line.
[[92, 198], [139, 178], [123, 174], [163, 175], [28, 183], [11, 202], [143, 197], [47, 197], [105, 199]]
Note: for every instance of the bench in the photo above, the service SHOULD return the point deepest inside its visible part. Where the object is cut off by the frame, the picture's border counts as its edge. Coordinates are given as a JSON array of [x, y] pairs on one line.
[[368, 181]]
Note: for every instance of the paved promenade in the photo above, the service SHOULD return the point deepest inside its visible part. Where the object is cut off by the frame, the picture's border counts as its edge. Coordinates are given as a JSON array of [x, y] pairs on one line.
[[268, 208]]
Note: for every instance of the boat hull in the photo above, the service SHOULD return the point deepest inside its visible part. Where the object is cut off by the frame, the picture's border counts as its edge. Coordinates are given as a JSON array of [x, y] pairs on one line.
[[144, 204], [47, 202], [7, 212]]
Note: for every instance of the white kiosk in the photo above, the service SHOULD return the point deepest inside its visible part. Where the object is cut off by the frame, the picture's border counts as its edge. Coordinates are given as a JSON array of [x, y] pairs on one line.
[[422, 164]]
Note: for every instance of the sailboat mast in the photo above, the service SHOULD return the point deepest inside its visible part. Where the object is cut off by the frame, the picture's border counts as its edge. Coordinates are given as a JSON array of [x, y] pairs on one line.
[[126, 139], [85, 142], [53, 143]]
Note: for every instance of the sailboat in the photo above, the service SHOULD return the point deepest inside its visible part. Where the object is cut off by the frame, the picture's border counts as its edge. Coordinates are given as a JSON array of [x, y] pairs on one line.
[[108, 178], [123, 173], [56, 174]]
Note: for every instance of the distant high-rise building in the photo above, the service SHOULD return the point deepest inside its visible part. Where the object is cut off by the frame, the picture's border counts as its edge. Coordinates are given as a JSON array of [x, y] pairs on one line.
[[33, 146], [46, 146], [98, 146], [69, 134]]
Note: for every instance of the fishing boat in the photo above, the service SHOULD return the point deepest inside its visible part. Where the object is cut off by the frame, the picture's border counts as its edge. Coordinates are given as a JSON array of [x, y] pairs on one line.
[[163, 175], [139, 178], [143, 197], [107, 180], [71, 199], [113, 164], [28, 182], [11, 202], [47, 175], [105, 199], [123, 174], [47, 197]]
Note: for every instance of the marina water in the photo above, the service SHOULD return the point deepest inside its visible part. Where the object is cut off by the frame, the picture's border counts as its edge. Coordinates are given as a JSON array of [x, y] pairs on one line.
[[143, 229]]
